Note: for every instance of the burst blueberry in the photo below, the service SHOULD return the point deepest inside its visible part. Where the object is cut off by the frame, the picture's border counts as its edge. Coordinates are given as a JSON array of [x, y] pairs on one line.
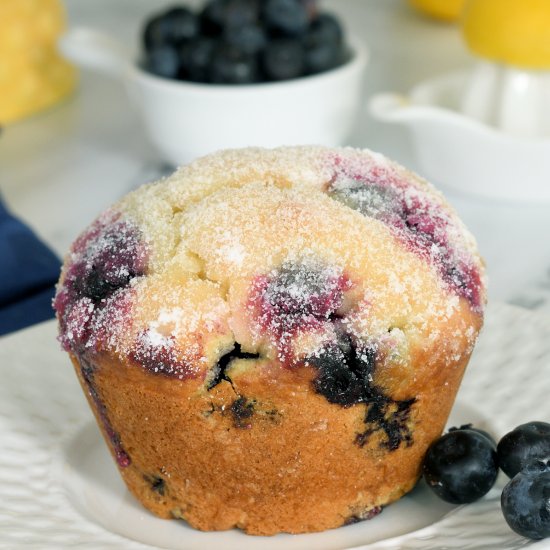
[[345, 377], [108, 262], [242, 411], [156, 483], [225, 360], [344, 374], [298, 297], [423, 225], [375, 200]]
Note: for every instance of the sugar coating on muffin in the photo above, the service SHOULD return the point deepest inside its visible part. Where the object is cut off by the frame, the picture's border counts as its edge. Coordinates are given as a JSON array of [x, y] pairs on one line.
[[255, 292]]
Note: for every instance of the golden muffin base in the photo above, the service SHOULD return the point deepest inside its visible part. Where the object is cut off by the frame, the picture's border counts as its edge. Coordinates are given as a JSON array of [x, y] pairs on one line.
[[291, 466]]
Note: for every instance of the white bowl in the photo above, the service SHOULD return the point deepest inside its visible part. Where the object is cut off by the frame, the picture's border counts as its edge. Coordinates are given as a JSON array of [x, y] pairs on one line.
[[186, 119], [459, 151], [512, 99]]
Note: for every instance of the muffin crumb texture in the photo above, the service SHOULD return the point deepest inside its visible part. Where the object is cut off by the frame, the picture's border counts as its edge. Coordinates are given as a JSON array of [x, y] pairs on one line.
[[270, 339]]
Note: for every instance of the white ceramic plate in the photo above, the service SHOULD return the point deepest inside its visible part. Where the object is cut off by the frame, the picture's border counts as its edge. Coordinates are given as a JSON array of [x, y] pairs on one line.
[[59, 488]]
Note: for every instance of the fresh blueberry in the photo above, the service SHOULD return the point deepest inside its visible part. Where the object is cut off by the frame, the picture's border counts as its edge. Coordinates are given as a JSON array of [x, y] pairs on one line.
[[184, 25], [249, 39], [177, 25], [286, 17], [322, 57], [522, 445], [212, 17], [461, 466], [324, 29], [525, 501], [231, 66], [537, 466], [155, 32], [195, 58], [312, 8], [163, 60], [283, 59], [478, 430], [323, 45], [240, 13]]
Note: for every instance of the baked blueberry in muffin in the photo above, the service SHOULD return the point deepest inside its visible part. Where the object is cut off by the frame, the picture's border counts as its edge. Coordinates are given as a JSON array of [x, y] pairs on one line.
[[271, 339]]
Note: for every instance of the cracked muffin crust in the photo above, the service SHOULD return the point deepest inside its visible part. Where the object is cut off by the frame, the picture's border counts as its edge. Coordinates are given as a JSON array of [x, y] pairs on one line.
[[270, 339]]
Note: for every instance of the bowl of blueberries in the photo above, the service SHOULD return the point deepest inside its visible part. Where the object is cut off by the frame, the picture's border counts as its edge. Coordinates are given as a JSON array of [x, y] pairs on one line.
[[236, 73]]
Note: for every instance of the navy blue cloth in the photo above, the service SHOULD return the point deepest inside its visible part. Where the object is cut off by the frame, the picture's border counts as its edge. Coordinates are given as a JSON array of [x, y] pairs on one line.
[[28, 273]]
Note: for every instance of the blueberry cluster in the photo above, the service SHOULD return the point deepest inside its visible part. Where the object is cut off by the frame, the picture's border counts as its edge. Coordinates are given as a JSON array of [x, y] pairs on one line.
[[243, 42], [462, 466]]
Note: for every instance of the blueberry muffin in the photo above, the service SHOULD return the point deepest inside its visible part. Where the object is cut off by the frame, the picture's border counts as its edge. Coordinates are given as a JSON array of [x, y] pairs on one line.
[[270, 339]]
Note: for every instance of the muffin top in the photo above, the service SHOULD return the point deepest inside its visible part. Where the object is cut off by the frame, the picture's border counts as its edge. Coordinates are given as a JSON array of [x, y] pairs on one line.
[[280, 256]]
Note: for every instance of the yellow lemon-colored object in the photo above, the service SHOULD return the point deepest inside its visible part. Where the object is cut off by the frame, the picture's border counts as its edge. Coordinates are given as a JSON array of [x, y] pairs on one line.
[[447, 10], [515, 32], [33, 75]]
